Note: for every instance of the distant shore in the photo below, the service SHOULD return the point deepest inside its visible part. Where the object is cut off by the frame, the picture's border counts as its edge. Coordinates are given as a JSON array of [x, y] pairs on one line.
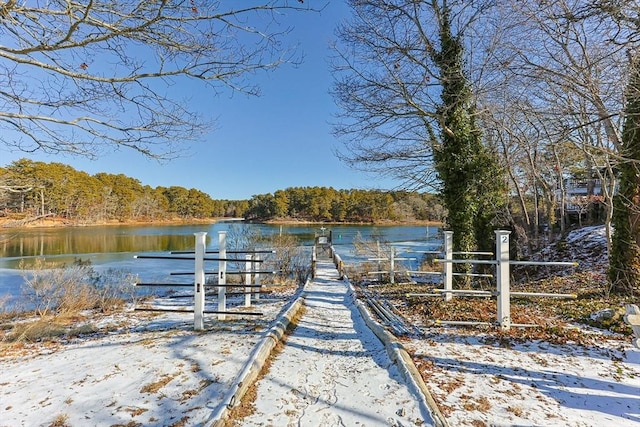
[[7, 223], [54, 222]]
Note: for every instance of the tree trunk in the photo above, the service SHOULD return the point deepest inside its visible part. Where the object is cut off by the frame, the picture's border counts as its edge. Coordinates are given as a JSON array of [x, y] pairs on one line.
[[624, 265]]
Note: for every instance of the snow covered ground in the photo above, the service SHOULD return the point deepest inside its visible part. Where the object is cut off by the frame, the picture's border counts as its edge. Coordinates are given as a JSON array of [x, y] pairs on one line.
[[144, 369], [479, 380]]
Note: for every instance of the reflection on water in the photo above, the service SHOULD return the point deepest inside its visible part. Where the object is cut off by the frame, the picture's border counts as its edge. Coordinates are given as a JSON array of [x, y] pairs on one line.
[[114, 246], [76, 241], [89, 240]]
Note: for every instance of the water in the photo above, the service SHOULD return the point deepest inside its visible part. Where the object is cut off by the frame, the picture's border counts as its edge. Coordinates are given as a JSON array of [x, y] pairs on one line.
[[114, 247]]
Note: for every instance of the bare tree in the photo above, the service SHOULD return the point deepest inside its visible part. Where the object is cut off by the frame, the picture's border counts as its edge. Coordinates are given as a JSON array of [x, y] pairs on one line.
[[534, 161], [564, 76], [576, 63], [624, 260], [406, 85], [389, 81], [387, 87], [80, 76]]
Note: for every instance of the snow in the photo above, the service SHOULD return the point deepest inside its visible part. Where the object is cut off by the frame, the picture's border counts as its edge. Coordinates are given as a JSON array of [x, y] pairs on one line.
[[591, 236], [482, 382], [333, 370], [586, 245], [154, 370], [109, 379]]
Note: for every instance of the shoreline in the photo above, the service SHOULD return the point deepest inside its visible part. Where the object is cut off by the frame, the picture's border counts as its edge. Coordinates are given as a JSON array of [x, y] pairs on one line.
[[57, 222]]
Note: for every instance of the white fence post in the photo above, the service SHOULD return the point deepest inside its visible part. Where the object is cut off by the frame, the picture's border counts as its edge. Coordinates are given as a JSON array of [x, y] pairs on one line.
[[247, 280], [314, 261], [199, 282], [632, 318], [448, 266], [256, 276], [503, 279], [392, 265], [222, 270], [379, 259]]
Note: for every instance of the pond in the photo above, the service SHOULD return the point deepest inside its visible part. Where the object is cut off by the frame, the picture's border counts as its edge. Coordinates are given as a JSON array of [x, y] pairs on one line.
[[114, 247]]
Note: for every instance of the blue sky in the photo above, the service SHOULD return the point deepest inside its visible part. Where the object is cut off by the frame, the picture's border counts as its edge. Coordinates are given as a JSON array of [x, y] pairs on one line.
[[260, 144]]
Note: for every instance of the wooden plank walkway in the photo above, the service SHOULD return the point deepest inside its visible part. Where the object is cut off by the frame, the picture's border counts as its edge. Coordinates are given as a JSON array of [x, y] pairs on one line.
[[333, 370]]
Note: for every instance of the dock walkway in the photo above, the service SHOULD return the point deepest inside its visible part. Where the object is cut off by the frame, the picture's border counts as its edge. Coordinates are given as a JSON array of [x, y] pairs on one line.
[[333, 369]]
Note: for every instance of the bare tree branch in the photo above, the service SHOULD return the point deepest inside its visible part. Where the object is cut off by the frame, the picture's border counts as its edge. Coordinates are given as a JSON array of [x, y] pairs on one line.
[[80, 76]]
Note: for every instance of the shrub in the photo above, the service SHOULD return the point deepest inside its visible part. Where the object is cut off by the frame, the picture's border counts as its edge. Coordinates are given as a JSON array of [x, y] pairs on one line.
[[69, 289], [290, 260]]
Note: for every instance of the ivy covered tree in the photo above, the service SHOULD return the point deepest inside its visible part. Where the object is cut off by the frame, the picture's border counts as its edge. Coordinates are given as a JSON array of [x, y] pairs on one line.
[[624, 264], [403, 84], [472, 186]]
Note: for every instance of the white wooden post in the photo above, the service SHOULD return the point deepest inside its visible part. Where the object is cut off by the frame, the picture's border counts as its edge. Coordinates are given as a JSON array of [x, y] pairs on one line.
[[256, 277], [247, 280], [503, 279], [448, 266], [198, 283], [392, 264], [632, 318], [379, 258], [314, 258], [222, 270]]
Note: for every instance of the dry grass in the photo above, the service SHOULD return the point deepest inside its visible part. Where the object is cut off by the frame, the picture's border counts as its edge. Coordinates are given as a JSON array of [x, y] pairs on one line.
[[551, 315], [43, 329], [66, 290], [155, 386], [61, 298], [180, 423], [60, 421], [37, 330], [515, 410], [481, 405], [188, 394]]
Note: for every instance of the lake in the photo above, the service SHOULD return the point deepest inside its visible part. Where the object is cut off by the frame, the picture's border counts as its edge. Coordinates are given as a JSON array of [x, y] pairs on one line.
[[114, 247]]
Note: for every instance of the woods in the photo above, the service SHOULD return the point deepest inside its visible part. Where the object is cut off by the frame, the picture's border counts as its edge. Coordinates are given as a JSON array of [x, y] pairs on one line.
[[41, 188]]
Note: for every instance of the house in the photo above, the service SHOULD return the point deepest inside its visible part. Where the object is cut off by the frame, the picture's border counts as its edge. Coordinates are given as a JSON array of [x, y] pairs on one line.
[[580, 193]]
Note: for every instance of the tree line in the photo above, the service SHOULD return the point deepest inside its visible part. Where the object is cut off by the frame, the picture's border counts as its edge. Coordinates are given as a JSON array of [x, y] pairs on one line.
[[39, 188], [324, 204]]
